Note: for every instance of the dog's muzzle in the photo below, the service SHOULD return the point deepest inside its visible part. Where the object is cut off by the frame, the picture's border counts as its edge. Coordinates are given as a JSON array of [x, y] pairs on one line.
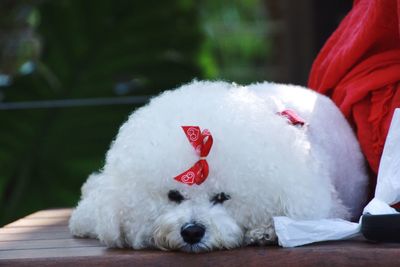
[[192, 233]]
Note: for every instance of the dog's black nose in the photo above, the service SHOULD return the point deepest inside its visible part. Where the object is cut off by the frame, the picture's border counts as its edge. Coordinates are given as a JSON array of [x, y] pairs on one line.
[[192, 233]]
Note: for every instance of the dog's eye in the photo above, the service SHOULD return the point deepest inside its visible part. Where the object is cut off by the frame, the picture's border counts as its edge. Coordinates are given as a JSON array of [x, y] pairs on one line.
[[175, 196], [220, 198]]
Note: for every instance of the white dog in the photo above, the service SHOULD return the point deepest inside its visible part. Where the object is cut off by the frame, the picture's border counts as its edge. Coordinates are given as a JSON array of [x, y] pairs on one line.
[[277, 150]]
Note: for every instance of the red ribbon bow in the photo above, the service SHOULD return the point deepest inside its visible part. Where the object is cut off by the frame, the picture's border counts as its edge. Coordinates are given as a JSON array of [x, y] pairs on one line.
[[292, 117], [201, 142]]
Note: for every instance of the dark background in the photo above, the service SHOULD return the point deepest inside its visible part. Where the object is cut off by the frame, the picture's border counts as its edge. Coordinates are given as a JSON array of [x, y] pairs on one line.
[[71, 71]]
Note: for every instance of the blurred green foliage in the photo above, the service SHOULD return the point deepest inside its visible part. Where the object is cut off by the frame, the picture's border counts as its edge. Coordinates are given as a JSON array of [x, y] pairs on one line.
[[237, 43], [105, 48]]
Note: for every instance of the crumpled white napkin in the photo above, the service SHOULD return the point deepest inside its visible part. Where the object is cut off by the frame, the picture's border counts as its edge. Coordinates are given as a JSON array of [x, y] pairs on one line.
[[292, 233]]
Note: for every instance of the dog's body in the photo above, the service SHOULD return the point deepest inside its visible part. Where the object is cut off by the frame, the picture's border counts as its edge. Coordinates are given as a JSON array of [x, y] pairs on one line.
[[260, 166]]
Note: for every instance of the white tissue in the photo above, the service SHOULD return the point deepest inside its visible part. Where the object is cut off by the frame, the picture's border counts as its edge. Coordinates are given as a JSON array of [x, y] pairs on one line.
[[388, 184], [378, 207], [292, 233]]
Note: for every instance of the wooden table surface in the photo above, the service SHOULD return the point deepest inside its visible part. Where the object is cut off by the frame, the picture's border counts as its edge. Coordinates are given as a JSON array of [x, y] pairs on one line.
[[43, 239]]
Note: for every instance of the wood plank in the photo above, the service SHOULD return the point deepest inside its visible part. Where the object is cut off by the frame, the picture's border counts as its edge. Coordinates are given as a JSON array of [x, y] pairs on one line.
[[51, 213], [35, 236], [42, 239], [54, 243], [35, 229], [48, 222], [23, 255], [240, 257]]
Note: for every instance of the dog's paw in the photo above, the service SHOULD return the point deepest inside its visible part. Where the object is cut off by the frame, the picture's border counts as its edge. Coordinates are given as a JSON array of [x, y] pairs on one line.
[[262, 236]]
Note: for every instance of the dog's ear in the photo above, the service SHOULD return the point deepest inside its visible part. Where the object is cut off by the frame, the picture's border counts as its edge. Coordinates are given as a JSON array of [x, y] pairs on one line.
[[108, 220], [97, 214]]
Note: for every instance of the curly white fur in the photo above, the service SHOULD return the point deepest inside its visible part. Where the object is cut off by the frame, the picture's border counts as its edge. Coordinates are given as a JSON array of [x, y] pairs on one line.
[[267, 166]]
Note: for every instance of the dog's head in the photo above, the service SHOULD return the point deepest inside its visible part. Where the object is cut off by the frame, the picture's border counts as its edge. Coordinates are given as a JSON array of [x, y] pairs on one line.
[[163, 212], [196, 222]]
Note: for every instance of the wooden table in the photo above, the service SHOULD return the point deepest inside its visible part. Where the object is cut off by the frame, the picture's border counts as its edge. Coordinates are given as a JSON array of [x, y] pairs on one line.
[[43, 239]]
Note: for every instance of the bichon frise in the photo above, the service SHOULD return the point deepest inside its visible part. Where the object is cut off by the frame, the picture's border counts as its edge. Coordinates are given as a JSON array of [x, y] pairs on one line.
[[243, 155]]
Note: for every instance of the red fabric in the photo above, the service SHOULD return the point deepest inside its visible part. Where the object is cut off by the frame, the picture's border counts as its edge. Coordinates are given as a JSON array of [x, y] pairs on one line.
[[359, 68], [202, 143]]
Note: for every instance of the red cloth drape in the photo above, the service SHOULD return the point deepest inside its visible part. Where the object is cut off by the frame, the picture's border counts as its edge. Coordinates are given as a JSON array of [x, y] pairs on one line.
[[359, 68]]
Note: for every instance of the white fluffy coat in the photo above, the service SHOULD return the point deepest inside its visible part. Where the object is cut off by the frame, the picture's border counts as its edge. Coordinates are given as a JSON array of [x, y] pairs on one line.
[[267, 166]]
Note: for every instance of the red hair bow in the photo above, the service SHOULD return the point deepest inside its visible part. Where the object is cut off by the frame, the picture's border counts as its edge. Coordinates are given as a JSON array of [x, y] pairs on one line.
[[201, 142], [292, 117]]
